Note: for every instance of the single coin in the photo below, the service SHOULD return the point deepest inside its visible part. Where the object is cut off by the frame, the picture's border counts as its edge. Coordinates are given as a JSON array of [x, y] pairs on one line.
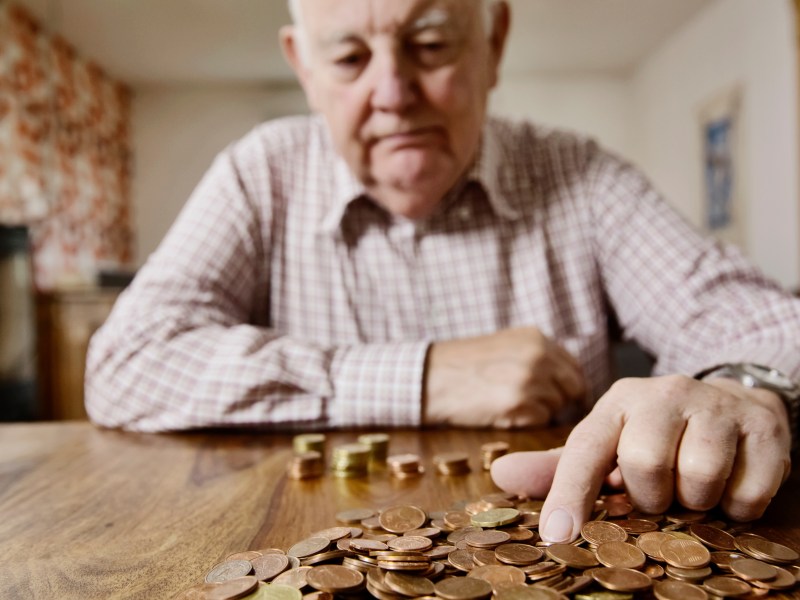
[[572, 585], [399, 519], [751, 569], [726, 587], [367, 545], [653, 570], [684, 517], [713, 537], [457, 519], [246, 555], [482, 556], [229, 569], [782, 581], [528, 592], [334, 579], [233, 589], [309, 547], [274, 591], [571, 556], [599, 532], [463, 588], [496, 517], [415, 543], [622, 580], [688, 575], [323, 557], [620, 554], [442, 551], [488, 538], [461, 560], [650, 543], [687, 554], [518, 554], [268, 566], [333, 533], [353, 516], [637, 526], [678, 590], [408, 585], [722, 560], [521, 534], [499, 576], [428, 532], [295, 578], [763, 549]]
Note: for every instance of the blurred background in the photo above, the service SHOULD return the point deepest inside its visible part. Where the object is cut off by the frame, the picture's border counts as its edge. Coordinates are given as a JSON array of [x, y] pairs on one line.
[[111, 111]]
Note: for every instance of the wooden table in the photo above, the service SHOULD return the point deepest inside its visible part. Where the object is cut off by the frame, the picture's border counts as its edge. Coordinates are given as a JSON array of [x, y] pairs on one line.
[[87, 513]]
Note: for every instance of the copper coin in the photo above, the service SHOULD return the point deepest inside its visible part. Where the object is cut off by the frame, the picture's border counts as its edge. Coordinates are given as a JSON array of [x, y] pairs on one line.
[[518, 554], [229, 569], [269, 566], [637, 526], [599, 532], [461, 560], [713, 537], [334, 579], [687, 554], [572, 556], [457, 519], [544, 570], [354, 515], [622, 580], [295, 578], [488, 538], [620, 554], [521, 534], [688, 575], [650, 543], [246, 555], [428, 532], [653, 570], [528, 592], [678, 590], [483, 557], [399, 519], [761, 548], [684, 517], [322, 557], [782, 581], [232, 589], [411, 542], [498, 576], [463, 588], [333, 533], [408, 585], [442, 551], [726, 587], [367, 545], [309, 547], [722, 559], [752, 569]]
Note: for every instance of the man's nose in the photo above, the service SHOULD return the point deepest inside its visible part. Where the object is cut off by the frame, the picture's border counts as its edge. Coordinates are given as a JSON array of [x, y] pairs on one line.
[[395, 85]]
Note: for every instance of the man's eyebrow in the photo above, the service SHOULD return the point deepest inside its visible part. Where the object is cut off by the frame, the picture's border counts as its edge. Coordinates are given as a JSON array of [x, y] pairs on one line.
[[436, 17]]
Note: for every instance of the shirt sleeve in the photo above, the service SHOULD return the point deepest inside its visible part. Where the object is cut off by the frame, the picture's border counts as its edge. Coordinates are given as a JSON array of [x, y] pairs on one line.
[[689, 300], [185, 346]]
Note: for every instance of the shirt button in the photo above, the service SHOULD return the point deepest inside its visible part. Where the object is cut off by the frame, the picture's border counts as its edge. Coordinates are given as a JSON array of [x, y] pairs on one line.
[[465, 213]]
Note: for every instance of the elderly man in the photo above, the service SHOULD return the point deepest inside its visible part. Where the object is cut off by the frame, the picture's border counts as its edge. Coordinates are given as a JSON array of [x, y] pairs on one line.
[[398, 259]]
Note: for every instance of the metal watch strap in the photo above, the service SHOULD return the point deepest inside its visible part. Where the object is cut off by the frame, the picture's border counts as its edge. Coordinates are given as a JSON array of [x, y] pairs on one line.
[[792, 403]]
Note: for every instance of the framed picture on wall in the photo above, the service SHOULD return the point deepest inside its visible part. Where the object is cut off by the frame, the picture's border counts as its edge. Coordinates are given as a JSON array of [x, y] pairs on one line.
[[723, 171]]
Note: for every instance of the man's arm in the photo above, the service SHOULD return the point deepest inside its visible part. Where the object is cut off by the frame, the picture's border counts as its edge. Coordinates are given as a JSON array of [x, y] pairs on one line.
[[189, 345]]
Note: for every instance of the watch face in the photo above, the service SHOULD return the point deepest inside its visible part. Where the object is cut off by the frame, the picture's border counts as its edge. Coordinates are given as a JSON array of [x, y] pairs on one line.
[[768, 376]]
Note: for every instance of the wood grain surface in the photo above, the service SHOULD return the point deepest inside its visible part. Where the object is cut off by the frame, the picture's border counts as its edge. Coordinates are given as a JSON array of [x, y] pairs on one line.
[[87, 513]]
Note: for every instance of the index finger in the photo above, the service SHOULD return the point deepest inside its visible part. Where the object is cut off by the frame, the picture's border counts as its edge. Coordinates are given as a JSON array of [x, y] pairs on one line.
[[588, 457]]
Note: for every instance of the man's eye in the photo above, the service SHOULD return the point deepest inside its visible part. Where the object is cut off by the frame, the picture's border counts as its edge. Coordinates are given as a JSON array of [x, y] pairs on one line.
[[350, 60]]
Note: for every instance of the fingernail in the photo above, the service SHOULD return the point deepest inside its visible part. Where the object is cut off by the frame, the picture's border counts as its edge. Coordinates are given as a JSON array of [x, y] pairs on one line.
[[558, 527]]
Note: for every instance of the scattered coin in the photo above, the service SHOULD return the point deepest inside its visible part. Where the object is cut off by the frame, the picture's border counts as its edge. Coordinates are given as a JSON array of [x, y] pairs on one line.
[[230, 569], [399, 519], [678, 590]]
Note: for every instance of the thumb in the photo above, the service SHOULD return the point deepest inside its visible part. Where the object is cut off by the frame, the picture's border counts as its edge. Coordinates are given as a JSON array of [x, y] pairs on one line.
[[526, 473]]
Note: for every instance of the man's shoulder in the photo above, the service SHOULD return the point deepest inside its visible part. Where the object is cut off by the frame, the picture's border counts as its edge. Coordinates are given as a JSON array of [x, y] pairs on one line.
[[538, 136], [282, 138]]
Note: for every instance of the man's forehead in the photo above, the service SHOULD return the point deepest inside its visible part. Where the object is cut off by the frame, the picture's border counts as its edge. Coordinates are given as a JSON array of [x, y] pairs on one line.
[[345, 17]]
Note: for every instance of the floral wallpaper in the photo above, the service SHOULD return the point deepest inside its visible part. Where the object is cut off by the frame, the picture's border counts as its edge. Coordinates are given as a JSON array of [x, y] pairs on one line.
[[65, 154]]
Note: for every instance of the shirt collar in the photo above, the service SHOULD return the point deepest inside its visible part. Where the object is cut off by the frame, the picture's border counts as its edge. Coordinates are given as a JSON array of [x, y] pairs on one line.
[[491, 170]]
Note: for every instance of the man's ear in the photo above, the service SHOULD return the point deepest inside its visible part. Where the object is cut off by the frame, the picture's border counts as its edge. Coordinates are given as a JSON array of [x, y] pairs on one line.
[[501, 24], [290, 44]]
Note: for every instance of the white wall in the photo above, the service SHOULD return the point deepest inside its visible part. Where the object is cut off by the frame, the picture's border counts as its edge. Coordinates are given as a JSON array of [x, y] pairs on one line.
[[733, 42], [177, 132], [593, 104]]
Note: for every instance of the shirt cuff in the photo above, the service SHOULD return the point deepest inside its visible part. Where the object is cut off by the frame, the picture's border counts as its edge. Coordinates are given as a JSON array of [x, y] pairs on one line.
[[378, 385]]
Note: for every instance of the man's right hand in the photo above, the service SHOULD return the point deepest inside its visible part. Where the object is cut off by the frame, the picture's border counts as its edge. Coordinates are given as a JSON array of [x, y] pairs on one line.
[[513, 378]]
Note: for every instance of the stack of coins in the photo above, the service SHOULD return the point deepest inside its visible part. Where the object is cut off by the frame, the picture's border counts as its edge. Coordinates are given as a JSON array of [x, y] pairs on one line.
[[307, 442], [405, 465], [350, 460], [496, 554], [452, 463], [492, 450], [305, 465], [378, 444]]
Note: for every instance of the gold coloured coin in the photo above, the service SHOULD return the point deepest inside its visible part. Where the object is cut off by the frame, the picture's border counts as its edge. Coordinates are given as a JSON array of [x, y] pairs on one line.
[[488, 538], [274, 591], [399, 519], [599, 532], [495, 517]]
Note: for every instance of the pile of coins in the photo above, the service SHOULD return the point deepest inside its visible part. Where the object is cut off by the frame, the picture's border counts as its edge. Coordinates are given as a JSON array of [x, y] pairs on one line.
[[490, 548], [350, 460], [452, 463], [305, 465], [403, 466], [491, 451]]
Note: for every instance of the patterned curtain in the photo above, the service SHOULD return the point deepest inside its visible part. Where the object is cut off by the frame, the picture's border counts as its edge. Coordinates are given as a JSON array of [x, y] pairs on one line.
[[64, 154]]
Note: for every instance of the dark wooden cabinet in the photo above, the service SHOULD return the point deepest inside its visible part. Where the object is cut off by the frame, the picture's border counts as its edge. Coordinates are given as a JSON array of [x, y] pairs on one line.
[[66, 322]]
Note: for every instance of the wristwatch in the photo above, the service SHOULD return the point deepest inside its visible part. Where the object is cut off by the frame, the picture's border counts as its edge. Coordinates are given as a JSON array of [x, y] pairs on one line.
[[758, 376]]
